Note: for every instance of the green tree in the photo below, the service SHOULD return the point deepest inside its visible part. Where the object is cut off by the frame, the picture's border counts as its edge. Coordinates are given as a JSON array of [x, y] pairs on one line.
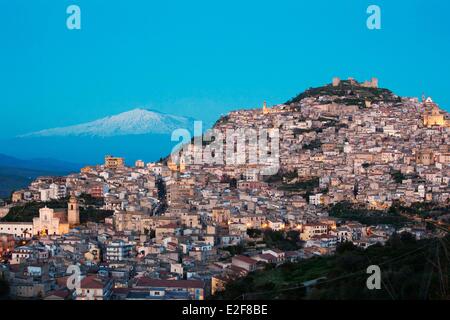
[[404, 262], [254, 233]]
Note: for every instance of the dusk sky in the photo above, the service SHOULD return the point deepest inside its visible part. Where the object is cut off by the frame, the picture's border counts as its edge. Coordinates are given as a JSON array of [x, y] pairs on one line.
[[202, 58]]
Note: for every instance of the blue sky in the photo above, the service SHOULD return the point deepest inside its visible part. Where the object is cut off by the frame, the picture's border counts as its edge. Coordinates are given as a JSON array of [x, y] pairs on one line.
[[202, 58]]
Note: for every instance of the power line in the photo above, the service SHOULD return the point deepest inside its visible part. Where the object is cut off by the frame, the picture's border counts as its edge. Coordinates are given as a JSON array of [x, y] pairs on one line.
[[385, 285], [415, 251]]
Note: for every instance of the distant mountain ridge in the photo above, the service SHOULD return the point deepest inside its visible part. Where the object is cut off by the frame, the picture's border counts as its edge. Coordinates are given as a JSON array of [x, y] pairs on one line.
[[17, 173], [135, 134], [134, 122], [46, 164]]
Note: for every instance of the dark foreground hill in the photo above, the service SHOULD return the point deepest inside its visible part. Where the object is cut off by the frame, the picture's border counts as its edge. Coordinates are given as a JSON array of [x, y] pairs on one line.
[[18, 173], [17, 178], [410, 269]]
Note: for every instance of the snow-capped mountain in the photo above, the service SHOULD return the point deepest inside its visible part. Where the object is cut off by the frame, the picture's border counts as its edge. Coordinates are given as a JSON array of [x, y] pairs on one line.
[[134, 122]]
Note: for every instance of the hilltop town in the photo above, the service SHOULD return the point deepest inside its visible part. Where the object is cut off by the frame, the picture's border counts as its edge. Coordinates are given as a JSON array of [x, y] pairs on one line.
[[354, 163]]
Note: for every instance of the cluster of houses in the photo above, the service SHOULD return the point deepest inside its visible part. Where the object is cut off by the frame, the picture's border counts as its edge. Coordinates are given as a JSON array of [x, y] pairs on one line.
[[185, 230]]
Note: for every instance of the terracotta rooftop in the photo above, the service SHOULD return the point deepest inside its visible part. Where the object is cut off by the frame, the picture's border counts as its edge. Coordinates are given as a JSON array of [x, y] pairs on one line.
[[245, 259], [63, 293], [147, 282], [93, 282]]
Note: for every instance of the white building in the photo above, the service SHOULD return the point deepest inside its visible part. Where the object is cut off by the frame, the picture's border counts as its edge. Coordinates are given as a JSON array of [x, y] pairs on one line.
[[118, 250], [316, 199], [17, 229], [57, 191]]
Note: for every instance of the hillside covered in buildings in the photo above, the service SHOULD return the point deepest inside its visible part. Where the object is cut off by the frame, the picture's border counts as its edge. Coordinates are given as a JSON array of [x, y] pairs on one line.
[[350, 141], [358, 170]]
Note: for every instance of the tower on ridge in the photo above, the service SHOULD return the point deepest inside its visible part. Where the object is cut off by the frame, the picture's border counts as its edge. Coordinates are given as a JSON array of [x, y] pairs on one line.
[[265, 109], [336, 81]]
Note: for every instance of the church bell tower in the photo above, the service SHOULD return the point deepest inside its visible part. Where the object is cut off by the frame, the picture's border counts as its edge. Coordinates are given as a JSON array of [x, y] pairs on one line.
[[73, 212]]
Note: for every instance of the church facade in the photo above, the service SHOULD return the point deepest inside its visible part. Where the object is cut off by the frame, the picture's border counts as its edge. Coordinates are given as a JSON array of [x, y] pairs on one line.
[[50, 222], [433, 115]]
